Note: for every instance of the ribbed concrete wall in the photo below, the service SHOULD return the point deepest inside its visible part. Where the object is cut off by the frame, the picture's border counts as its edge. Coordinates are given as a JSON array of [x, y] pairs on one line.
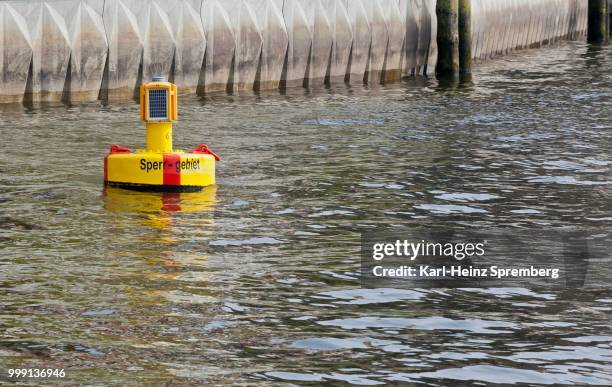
[[504, 25], [89, 49]]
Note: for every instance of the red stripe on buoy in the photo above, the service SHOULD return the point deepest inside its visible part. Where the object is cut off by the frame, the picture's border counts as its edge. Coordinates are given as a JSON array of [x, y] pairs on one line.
[[106, 168], [172, 170]]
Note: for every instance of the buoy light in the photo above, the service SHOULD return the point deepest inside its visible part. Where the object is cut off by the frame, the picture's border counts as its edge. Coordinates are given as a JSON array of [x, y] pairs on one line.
[[159, 167], [158, 108]]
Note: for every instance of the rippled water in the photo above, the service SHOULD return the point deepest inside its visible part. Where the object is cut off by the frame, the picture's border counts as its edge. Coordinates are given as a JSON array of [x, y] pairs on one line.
[[257, 279]]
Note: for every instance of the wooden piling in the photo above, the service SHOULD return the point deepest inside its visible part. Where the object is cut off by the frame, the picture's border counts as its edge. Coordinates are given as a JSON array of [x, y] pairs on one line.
[[448, 38], [608, 18], [465, 36], [597, 20]]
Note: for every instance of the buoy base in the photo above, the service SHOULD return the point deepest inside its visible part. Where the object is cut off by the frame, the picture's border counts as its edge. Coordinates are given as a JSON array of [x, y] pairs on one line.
[[154, 187], [160, 172]]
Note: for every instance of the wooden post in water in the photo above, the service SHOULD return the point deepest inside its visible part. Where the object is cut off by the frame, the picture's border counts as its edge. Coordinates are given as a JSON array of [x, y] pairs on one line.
[[465, 36], [597, 28], [448, 38], [608, 18]]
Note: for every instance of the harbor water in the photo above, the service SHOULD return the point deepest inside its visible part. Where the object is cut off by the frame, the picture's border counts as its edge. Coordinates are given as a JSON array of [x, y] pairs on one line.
[[257, 279]]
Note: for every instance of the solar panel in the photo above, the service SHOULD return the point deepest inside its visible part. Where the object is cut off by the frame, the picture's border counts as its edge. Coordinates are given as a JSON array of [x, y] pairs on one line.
[[158, 104]]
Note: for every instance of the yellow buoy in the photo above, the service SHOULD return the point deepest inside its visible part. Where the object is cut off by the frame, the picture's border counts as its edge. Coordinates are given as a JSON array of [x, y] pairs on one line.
[[159, 167]]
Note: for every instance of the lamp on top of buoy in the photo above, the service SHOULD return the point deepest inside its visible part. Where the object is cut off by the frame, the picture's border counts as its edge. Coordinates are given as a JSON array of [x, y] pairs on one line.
[[159, 167]]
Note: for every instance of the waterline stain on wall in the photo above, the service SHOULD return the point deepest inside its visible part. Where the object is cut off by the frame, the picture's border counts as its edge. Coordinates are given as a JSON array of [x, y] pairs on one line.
[[82, 50]]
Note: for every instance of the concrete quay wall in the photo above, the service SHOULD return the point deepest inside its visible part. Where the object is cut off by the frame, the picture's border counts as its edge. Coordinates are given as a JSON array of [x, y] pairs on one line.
[[82, 50], [502, 26]]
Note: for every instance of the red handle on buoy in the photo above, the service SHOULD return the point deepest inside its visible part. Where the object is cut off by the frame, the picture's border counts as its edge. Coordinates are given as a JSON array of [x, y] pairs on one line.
[[203, 148], [119, 149]]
